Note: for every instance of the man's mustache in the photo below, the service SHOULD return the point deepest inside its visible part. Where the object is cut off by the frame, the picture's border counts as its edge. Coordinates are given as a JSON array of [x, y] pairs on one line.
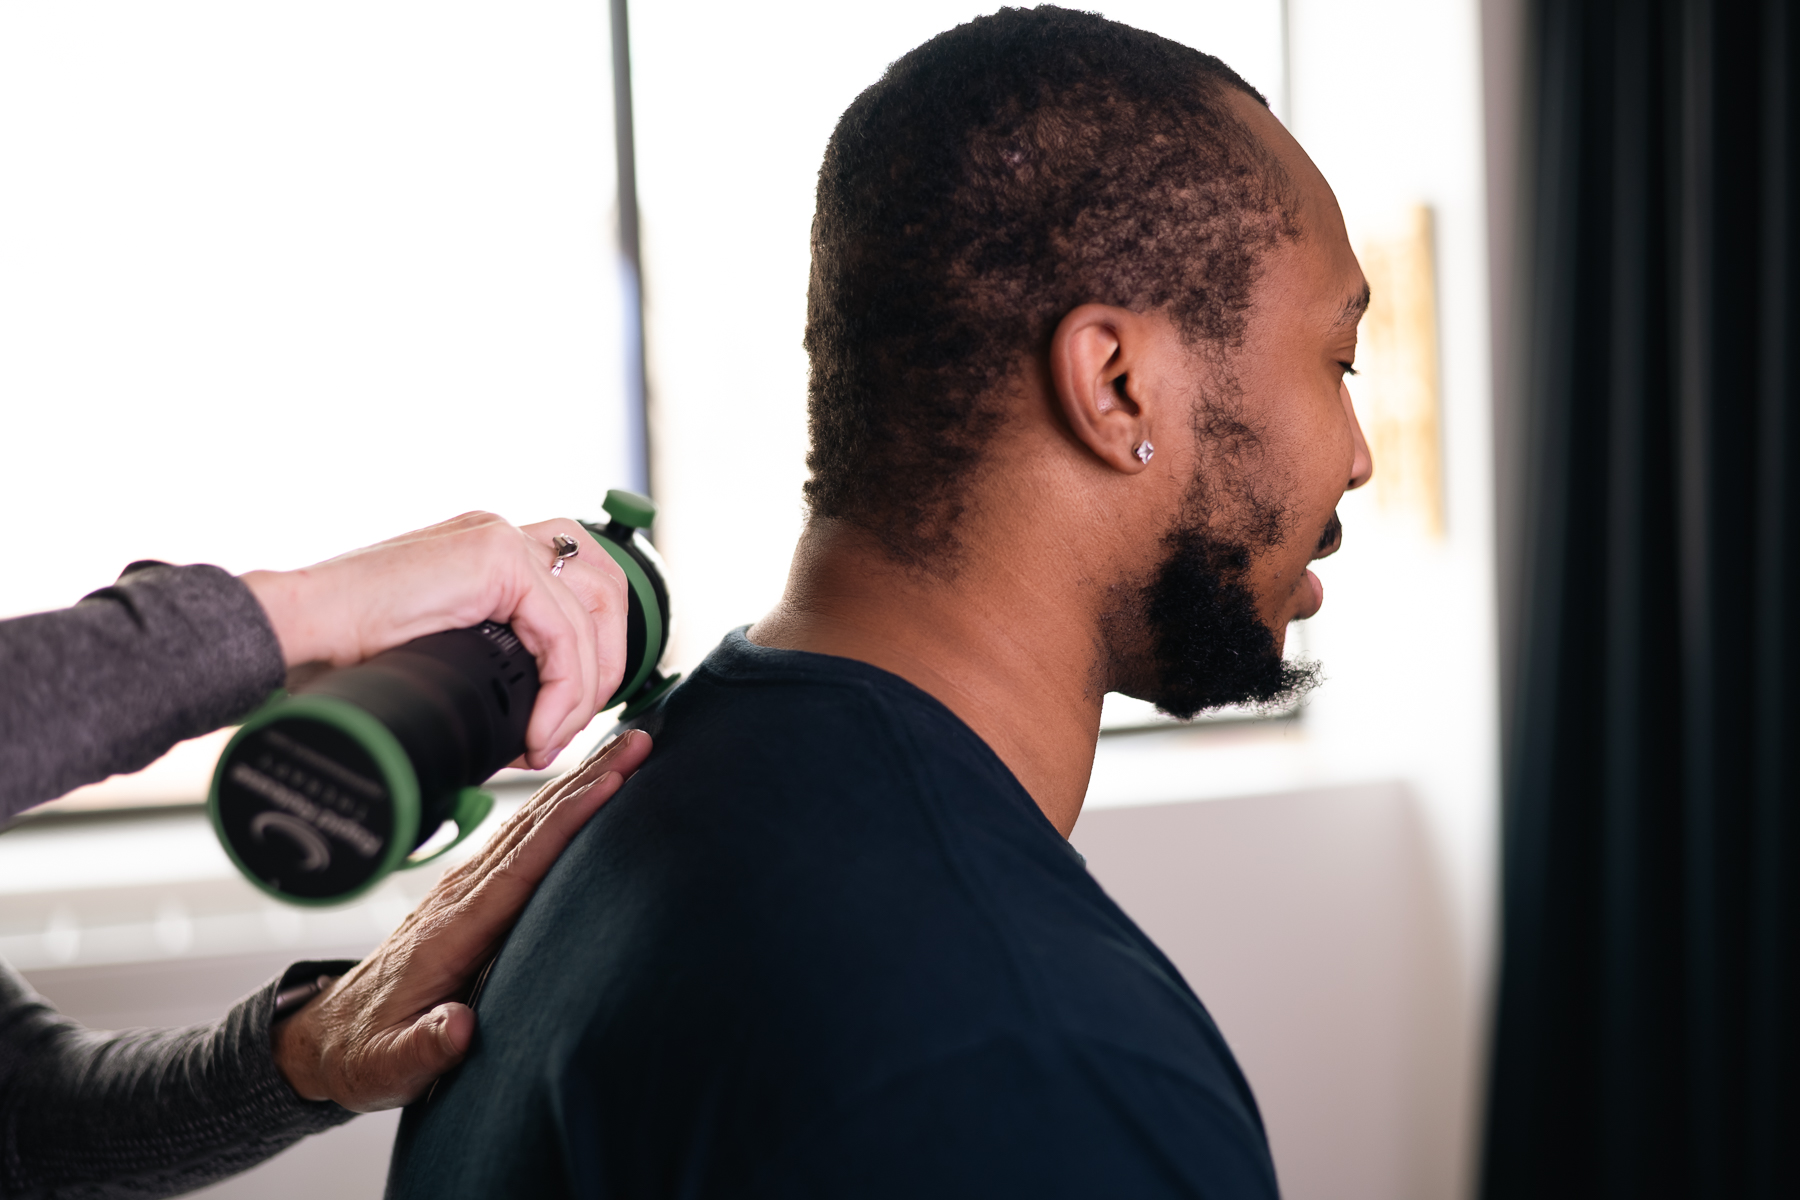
[[1331, 539]]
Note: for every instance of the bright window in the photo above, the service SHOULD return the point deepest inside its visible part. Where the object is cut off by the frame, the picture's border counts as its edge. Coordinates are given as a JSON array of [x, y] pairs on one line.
[[280, 280]]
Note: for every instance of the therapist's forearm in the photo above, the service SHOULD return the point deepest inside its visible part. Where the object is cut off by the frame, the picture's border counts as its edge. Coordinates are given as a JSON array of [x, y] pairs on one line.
[[144, 1112], [107, 686]]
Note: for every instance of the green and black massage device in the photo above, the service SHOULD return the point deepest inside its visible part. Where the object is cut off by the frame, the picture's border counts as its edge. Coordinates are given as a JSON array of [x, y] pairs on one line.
[[327, 789]]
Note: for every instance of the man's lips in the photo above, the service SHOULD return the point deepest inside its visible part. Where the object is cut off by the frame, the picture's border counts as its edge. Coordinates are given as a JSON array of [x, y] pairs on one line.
[[1312, 590], [1312, 597], [1331, 539]]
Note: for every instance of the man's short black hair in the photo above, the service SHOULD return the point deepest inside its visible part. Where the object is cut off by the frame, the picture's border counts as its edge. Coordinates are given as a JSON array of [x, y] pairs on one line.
[[994, 178]]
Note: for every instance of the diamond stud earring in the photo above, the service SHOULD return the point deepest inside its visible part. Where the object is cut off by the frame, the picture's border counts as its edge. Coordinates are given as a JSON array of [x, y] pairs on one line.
[[1144, 450]]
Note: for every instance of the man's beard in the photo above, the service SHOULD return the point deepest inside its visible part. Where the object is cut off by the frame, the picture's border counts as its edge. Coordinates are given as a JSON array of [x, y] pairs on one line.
[[1209, 646]]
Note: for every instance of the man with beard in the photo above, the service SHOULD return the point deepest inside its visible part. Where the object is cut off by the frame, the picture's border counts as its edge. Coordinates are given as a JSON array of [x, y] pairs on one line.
[[1079, 321]]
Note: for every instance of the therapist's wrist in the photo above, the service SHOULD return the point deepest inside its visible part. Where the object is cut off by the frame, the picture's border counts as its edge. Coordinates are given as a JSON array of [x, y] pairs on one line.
[[295, 1044], [297, 611]]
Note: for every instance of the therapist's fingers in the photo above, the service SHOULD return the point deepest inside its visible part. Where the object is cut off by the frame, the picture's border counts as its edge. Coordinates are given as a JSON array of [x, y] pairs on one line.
[[560, 636], [597, 586], [523, 859], [519, 852], [525, 846], [575, 625]]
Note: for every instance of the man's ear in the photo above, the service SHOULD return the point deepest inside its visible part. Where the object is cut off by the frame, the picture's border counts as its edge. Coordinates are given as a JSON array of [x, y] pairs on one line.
[[1092, 355]]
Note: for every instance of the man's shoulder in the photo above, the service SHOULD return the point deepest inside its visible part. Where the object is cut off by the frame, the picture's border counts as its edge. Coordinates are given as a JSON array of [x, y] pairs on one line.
[[837, 709], [783, 764]]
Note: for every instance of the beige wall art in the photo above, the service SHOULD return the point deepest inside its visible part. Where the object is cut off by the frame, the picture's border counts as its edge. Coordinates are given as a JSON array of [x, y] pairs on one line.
[[1396, 386]]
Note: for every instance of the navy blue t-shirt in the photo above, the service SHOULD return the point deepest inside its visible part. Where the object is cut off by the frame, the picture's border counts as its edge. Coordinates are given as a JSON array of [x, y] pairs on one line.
[[824, 945]]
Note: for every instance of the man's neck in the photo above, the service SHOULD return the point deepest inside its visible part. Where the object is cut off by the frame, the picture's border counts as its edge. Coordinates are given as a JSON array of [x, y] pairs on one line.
[[997, 645]]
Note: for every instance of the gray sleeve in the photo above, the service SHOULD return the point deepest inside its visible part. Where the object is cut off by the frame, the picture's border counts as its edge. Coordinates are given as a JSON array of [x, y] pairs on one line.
[[143, 1112], [107, 686]]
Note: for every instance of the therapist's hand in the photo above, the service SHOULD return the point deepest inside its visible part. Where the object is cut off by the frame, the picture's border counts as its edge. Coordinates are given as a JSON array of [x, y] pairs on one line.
[[465, 571], [378, 1036]]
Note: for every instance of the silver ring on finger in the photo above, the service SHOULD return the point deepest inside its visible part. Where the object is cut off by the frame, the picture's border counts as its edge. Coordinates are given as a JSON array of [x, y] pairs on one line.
[[565, 548]]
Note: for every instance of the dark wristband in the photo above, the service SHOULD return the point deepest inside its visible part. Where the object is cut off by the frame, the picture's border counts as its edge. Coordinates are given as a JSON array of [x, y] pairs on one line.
[[291, 1000], [303, 981]]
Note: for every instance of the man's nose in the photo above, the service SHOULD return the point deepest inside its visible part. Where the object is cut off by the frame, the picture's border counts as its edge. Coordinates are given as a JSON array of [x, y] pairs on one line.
[[1362, 463]]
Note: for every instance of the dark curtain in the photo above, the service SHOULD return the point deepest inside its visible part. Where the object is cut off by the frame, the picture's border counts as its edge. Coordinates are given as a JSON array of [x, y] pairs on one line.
[[1647, 1039]]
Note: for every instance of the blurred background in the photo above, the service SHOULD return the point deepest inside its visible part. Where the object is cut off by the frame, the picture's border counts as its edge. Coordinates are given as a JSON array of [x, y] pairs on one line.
[[276, 282]]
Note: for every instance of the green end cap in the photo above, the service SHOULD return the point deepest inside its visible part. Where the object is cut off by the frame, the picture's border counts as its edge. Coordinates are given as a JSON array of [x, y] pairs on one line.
[[629, 508]]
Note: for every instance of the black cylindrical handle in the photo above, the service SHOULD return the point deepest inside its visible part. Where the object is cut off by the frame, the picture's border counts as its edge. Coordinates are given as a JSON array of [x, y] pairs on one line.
[[458, 702], [317, 795]]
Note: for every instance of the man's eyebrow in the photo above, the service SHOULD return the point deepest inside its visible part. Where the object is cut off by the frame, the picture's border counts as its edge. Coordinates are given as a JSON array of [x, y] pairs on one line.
[[1353, 309]]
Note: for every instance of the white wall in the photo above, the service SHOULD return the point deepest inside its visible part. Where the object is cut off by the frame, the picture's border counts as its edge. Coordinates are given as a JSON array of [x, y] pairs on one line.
[[1408, 631]]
